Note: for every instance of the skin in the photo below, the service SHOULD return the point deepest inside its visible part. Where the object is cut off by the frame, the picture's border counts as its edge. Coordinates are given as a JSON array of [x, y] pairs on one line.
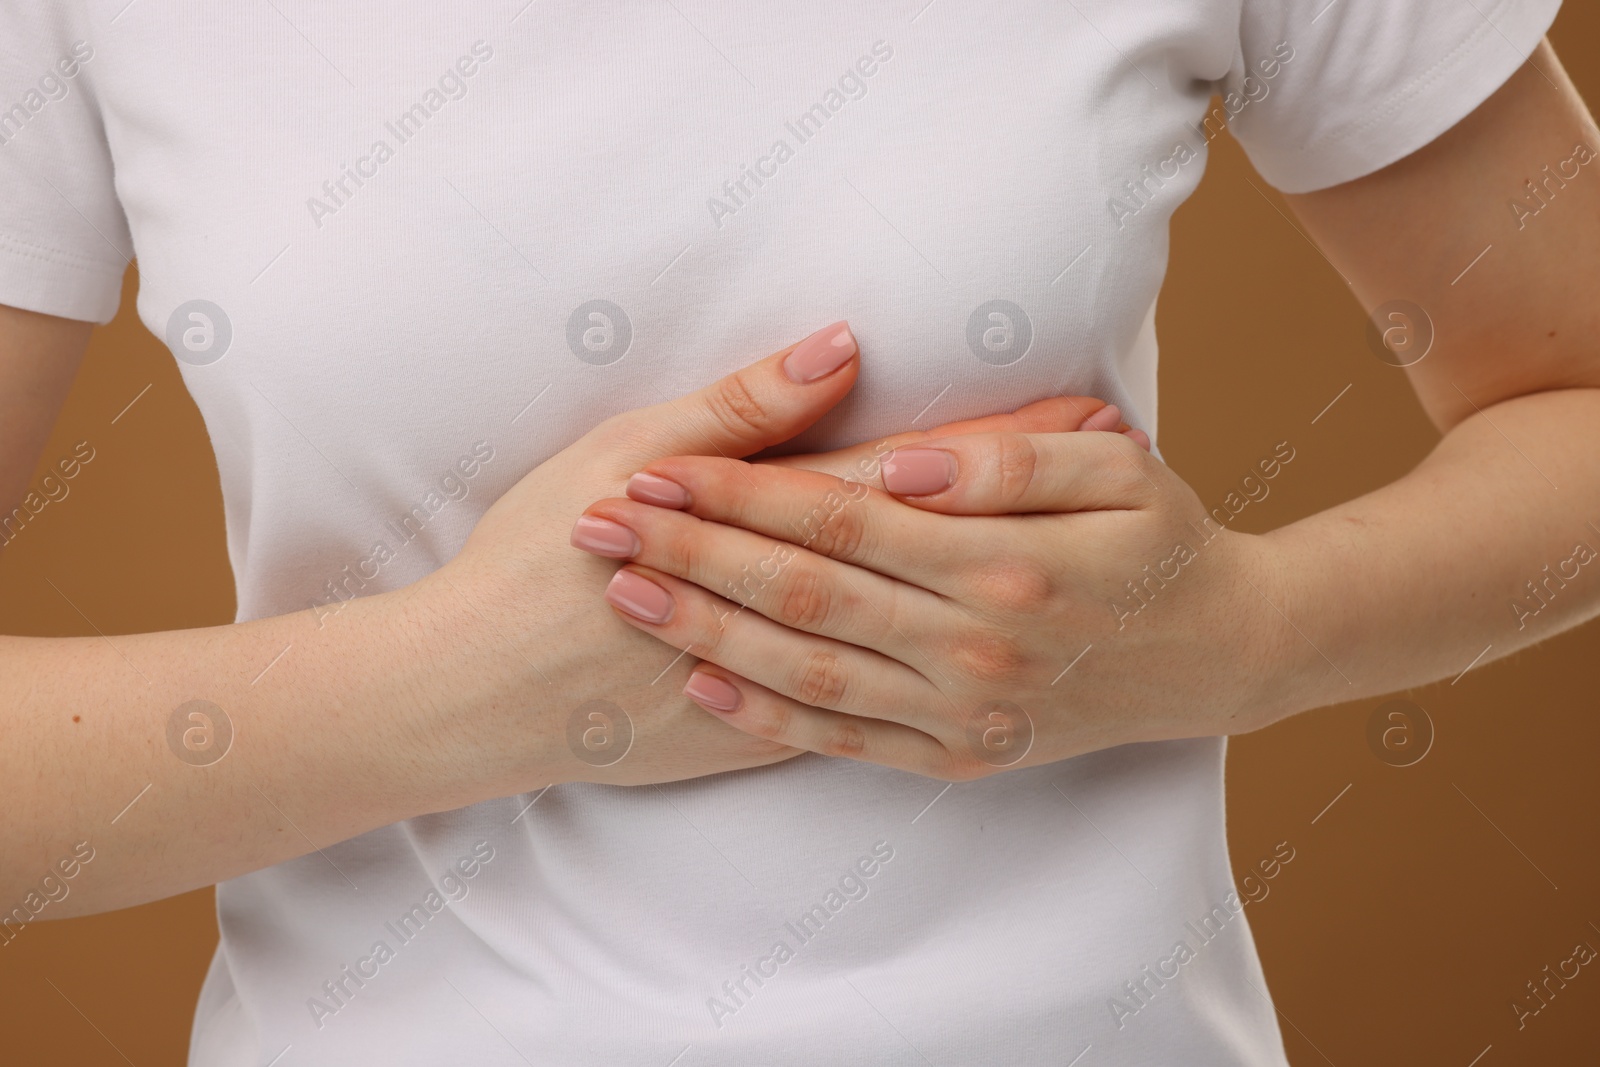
[[447, 692], [419, 700], [886, 637]]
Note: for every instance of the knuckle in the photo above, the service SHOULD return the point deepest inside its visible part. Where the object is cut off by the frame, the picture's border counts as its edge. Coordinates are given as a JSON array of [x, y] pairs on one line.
[[838, 532], [988, 656], [674, 554], [713, 632], [1018, 587], [1130, 477], [803, 600], [821, 680], [774, 726], [1016, 462], [736, 408], [845, 739]]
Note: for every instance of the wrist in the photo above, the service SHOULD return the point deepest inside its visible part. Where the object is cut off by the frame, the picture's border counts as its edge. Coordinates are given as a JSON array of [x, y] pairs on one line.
[[467, 666], [1292, 672]]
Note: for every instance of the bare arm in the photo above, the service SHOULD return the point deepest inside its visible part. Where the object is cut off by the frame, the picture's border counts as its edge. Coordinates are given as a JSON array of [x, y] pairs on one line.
[[1019, 543], [178, 759], [84, 720], [1410, 583], [452, 690], [338, 744]]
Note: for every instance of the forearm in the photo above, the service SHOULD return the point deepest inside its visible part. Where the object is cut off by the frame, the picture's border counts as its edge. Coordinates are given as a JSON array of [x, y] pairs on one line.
[[338, 728], [1409, 584]]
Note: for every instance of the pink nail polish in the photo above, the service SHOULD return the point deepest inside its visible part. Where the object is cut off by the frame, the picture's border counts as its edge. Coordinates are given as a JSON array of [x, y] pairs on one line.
[[654, 489], [918, 471], [604, 538], [713, 692], [639, 597], [820, 354], [1106, 419], [1140, 438]]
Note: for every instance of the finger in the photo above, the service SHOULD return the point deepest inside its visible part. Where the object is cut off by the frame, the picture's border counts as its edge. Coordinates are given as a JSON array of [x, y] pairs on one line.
[[1053, 414], [760, 712], [1109, 419], [846, 521], [762, 404], [1063, 414], [788, 584], [1011, 474], [1056, 414], [815, 671]]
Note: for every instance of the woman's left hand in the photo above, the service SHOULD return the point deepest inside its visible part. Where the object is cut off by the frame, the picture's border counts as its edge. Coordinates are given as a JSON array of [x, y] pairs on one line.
[[993, 600]]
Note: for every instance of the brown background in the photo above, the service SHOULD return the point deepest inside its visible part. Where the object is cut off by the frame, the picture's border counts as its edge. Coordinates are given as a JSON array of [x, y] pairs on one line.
[[1406, 922]]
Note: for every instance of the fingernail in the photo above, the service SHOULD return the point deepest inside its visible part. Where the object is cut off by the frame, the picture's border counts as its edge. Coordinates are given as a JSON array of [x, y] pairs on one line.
[[1106, 419], [654, 489], [715, 693], [639, 597], [820, 354], [918, 471], [1141, 438], [604, 538]]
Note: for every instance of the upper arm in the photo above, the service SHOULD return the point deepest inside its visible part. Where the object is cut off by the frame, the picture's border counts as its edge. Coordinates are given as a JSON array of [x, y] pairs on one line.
[[39, 355], [1522, 318]]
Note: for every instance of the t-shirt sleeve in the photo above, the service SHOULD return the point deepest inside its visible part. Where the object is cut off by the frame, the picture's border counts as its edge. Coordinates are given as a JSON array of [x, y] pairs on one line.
[[64, 242], [1326, 91]]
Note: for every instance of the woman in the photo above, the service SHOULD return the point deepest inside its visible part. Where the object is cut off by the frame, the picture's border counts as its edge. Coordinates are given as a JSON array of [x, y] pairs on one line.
[[457, 290]]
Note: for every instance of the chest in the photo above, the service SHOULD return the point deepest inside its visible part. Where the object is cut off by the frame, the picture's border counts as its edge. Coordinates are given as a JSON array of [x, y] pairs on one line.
[[420, 218]]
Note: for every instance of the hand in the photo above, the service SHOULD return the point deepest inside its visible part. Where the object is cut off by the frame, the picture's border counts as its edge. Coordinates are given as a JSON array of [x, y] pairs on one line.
[[546, 648], [931, 628]]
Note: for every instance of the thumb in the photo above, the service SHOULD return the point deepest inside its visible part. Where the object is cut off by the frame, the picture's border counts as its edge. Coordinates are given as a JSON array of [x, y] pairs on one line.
[[762, 404]]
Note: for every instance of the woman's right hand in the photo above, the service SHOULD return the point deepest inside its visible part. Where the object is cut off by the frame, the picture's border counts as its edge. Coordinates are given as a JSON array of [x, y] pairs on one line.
[[565, 665], [185, 757], [563, 690]]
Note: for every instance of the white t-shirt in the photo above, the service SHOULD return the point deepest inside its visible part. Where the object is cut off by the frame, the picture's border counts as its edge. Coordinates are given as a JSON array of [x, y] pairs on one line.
[[375, 233]]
